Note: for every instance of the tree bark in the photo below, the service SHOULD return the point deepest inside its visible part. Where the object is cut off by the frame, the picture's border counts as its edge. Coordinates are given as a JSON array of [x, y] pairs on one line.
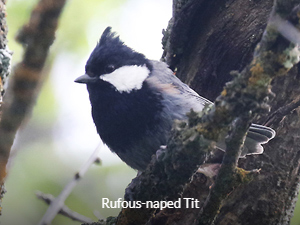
[[207, 40], [5, 56], [211, 38]]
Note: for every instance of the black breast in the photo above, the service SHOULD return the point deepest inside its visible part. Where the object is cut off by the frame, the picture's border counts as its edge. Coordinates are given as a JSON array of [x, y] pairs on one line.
[[124, 119]]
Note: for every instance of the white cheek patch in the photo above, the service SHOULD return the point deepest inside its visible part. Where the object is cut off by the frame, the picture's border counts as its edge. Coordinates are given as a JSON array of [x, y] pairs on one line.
[[127, 78]]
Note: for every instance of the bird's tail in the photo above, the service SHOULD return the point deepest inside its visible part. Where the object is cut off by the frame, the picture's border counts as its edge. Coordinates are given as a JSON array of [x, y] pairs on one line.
[[256, 136]]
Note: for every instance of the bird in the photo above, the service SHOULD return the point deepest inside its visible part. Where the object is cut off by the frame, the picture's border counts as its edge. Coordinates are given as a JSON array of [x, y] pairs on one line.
[[135, 101]]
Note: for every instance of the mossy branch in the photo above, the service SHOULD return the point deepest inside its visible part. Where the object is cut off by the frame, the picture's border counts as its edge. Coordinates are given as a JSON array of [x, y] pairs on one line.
[[242, 98], [168, 171], [246, 96]]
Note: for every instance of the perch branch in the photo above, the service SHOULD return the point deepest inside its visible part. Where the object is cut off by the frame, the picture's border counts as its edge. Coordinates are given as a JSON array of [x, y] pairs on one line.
[[21, 94], [229, 176], [65, 211]]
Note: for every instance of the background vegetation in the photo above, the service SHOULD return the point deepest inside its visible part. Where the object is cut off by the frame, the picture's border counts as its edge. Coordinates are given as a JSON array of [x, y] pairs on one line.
[[60, 135]]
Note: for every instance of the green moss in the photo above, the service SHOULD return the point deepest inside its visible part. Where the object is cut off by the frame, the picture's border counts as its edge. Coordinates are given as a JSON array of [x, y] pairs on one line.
[[292, 57], [244, 176]]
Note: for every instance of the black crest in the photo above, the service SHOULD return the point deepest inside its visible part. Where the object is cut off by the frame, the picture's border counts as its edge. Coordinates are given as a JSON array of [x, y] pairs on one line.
[[110, 38], [111, 53]]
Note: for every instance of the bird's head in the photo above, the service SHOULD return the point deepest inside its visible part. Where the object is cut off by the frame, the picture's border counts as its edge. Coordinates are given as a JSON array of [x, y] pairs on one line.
[[115, 63]]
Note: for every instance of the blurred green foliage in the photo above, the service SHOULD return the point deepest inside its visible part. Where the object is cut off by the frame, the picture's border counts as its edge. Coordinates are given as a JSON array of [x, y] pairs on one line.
[[35, 163], [77, 22], [78, 19]]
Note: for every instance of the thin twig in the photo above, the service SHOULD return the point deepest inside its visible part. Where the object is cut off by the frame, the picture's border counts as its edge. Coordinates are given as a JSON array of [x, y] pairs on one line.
[[280, 113], [65, 211], [58, 203]]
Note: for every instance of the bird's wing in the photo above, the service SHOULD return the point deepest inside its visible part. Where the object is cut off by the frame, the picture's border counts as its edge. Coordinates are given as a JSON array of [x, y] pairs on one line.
[[163, 78], [181, 98]]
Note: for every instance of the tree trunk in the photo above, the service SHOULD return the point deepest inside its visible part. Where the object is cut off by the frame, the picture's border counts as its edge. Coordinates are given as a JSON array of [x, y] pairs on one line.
[[4, 69], [204, 42]]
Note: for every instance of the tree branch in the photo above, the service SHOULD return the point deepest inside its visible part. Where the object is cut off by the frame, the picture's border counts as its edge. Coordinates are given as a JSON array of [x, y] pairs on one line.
[[65, 211], [280, 113], [168, 171], [58, 203], [228, 177], [21, 94]]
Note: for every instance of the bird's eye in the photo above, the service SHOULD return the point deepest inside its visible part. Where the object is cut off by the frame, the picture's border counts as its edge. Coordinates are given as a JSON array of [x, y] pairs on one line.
[[109, 68]]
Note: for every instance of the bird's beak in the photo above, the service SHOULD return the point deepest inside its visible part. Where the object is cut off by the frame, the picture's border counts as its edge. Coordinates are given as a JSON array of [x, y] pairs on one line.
[[86, 79]]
